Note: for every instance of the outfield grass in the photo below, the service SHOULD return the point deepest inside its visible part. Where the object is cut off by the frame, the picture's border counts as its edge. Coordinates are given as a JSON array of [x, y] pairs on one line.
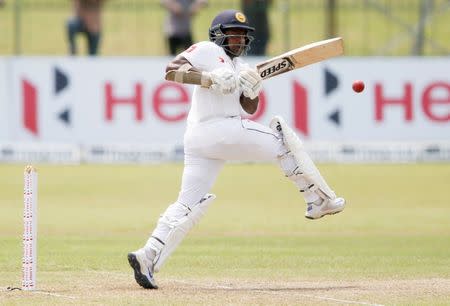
[[390, 246]]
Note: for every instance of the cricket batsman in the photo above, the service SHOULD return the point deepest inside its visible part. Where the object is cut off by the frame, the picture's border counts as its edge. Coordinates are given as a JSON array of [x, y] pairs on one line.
[[216, 133]]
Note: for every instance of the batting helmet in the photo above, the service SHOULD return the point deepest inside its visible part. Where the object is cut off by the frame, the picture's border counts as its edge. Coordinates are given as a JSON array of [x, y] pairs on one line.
[[230, 19]]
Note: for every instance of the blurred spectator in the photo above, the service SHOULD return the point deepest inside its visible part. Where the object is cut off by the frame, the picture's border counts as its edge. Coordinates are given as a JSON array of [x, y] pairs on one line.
[[257, 14], [2, 3], [86, 20], [178, 27]]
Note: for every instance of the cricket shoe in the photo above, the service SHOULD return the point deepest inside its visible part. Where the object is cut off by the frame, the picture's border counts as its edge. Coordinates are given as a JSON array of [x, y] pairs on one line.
[[143, 269], [323, 207]]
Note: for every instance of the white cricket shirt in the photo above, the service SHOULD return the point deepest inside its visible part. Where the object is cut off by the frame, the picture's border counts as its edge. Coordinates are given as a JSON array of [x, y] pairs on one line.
[[206, 103]]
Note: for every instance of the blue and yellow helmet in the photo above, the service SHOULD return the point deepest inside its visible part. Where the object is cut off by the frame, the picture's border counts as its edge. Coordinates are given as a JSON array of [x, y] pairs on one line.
[[230, 19]]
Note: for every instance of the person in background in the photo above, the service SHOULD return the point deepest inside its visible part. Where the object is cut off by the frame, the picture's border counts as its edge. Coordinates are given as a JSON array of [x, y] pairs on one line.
[[178, 23], [257, 14], [86, 20]]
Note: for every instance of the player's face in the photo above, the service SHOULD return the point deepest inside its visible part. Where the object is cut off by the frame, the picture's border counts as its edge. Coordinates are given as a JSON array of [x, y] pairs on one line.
[[236, 40]]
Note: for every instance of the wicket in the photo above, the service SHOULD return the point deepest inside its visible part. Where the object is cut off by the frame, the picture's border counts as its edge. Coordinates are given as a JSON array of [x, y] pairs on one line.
[[29, 238]]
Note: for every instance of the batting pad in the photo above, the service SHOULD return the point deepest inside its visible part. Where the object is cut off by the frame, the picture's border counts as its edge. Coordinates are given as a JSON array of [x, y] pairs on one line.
[[181, 227], [307, 167]]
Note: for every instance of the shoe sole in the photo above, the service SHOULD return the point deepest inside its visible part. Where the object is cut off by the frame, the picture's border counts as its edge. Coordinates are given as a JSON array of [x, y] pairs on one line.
[[140, 278], [326, 214]]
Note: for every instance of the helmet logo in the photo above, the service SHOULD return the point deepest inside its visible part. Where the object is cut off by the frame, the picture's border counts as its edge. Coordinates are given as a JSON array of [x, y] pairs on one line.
[[240, 17]]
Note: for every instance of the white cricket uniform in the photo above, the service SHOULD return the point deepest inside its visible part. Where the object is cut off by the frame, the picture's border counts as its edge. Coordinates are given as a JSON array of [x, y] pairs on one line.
[[216, 133]]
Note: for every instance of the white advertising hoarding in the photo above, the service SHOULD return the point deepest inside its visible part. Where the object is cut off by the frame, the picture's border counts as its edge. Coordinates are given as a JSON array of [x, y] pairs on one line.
[[86, 100], [4, 124], [126, 100], [406, 99]]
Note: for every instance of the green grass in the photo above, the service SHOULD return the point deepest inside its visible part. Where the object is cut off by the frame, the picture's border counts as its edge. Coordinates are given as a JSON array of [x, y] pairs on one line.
[[135, 27], [396, 227]]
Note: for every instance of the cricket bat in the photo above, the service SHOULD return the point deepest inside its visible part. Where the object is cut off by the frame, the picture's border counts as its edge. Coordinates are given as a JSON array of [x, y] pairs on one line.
[[294, 59], [301, 57]]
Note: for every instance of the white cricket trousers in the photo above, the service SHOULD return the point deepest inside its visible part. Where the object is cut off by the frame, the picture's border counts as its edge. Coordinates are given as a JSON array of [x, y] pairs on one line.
[[207, 146]]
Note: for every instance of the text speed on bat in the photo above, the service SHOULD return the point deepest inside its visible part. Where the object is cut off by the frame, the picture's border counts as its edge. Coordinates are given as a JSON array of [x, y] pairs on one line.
[[274, 68]]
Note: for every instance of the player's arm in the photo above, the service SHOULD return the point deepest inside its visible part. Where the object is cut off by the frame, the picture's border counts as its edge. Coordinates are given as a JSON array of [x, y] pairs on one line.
[[177, 62], [249, 105], [180, 70], [221, 80]]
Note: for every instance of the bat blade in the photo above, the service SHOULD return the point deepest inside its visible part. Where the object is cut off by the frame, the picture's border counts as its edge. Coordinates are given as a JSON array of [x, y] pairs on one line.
[[301, 57], [294, 59]]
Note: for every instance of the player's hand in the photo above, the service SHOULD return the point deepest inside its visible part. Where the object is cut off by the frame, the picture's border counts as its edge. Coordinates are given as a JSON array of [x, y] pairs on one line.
[[250, 82], [223, 80]]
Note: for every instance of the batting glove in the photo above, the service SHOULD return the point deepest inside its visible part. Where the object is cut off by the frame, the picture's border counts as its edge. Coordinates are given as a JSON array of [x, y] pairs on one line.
[[250, 83], [223, 80]]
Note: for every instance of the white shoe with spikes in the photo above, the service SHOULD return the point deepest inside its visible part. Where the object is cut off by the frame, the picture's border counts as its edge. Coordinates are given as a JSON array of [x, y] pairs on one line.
[[322, 207], [143, 268]]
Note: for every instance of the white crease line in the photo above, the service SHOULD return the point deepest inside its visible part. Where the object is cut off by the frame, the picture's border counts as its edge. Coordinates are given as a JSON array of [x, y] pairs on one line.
[[40, 292], [273, 292], [331, 299], [53, 294]]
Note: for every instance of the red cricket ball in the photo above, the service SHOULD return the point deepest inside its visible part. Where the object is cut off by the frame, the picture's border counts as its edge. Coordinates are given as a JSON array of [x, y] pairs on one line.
[[358, 86]]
